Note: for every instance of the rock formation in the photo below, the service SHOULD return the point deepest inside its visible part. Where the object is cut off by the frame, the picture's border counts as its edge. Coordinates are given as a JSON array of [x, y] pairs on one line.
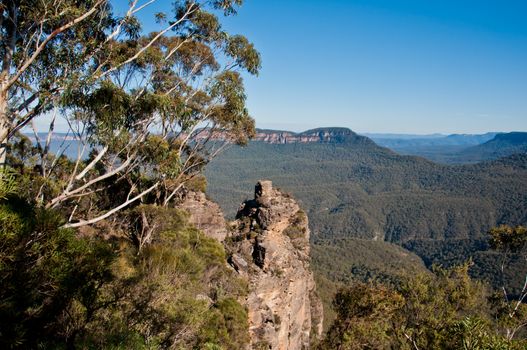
[[268, 245], [271, 249], [204, 214], [320, 135]]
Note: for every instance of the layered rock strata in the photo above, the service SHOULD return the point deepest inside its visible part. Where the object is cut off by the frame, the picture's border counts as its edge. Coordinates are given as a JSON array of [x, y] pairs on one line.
[[322, 135]]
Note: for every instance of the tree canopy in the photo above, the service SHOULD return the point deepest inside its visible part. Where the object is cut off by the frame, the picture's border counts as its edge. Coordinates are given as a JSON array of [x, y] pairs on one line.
[[143, 108]]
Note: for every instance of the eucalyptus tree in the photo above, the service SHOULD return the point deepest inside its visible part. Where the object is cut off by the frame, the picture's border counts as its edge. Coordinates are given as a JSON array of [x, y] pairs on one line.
[[43, 44], [510, 310], [142, 108]]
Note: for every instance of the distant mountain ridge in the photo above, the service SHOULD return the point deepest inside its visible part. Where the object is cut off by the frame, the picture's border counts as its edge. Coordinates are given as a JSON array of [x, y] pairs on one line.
[[319, 135], [502, 145], [515, 138], [401, 140], [457, 148], [446, 149]]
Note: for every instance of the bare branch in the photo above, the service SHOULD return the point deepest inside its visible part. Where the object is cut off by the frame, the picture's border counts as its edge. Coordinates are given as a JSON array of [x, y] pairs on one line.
[[113, 211], [143, 6], [92, 163], [67, 194]]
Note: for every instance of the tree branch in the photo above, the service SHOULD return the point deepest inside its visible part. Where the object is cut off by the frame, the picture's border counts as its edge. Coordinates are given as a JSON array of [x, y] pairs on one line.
[[92, 163], [67, 194], [190, 10], [50, 37], [111, 212]]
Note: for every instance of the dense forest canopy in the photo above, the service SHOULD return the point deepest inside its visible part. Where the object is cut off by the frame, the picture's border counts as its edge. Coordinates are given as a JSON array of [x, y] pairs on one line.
[[359, 189], [356, 189]]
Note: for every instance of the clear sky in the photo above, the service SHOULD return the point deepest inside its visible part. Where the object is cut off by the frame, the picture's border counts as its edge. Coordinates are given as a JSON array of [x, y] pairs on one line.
[[400, 66]]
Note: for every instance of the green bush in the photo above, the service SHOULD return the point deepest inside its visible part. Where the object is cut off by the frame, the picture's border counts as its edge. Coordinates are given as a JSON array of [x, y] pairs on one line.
[[59, 290], [50, 278]]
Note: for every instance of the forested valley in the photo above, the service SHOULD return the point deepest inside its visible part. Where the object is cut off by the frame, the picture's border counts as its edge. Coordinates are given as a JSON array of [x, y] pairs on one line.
[[379, 217]]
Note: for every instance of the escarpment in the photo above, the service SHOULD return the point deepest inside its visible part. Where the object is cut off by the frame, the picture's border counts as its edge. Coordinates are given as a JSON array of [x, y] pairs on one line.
[[320, 135], [271, 248], [268, 245]]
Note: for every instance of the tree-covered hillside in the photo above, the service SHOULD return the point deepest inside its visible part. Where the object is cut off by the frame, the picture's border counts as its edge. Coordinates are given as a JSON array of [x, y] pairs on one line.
[[343, 262], [501, 145], [356, 189]]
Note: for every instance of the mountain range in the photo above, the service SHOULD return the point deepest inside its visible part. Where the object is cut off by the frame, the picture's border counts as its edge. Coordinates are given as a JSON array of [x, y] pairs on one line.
[[457, 148]]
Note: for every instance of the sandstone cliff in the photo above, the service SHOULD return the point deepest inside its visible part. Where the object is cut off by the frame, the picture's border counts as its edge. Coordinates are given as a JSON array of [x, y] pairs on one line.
[[321, 135], [268, 245], [271, 248]]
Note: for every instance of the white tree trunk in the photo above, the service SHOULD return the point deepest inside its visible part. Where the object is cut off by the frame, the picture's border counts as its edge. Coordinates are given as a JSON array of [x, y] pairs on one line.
[[4, 128]]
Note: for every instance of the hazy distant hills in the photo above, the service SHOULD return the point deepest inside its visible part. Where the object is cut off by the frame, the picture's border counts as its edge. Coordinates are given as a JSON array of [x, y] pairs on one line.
[[500, 146], [353, 188], [402, 140], [456, 148]]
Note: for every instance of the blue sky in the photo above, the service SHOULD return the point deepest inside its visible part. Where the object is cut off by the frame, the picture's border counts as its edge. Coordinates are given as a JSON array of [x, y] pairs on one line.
[[401, 66]]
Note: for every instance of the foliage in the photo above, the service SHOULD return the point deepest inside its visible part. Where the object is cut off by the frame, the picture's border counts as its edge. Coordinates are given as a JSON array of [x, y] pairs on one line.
[[434, 302], [508, 239], [197, 184], [472, 333], [363, 319], [179, 294], [510, 309], [341, 262], [60, 289], [141, 108], [47, 273], [8, 185], [446, 310], [296, 231]]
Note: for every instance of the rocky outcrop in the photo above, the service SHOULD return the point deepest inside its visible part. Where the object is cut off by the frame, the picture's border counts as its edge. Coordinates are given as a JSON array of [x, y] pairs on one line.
[[271, 249], [268, 245], [204, 214]]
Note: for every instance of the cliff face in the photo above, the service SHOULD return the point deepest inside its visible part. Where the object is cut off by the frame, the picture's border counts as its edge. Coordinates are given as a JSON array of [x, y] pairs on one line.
[[321, 135], [271, 248], [268, 245]]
